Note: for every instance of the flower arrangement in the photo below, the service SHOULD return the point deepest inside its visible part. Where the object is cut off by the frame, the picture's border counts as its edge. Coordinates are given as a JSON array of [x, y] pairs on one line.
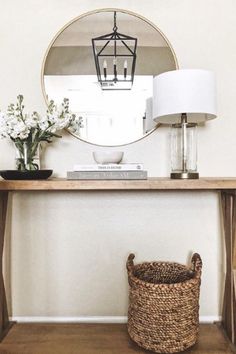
[[27, 131]]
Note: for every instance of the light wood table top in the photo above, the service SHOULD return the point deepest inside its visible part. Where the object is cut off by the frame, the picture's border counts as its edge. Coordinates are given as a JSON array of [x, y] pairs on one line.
[[154, 183]]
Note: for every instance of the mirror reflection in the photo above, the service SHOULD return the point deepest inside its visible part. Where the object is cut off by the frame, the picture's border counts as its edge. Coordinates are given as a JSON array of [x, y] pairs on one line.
[[104, 62]]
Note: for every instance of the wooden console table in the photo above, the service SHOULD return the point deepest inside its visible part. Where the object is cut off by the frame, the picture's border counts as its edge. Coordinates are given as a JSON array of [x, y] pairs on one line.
[[225, 186]]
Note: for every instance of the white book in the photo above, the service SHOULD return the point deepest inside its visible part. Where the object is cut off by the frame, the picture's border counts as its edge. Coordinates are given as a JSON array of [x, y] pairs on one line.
[[110, 167]]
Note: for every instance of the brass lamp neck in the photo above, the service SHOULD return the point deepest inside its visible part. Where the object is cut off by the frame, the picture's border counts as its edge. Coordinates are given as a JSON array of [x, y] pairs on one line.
[[184, 118]]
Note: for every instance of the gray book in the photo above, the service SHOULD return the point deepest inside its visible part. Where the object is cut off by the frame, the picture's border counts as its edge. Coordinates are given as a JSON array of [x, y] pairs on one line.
[[106, 175]]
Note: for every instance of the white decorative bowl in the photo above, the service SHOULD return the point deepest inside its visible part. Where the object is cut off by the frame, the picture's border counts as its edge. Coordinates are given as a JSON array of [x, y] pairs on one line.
[[106, 157]]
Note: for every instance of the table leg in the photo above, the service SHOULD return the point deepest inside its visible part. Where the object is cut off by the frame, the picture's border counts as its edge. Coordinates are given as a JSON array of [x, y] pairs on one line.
[[4, 319], [228, 201]]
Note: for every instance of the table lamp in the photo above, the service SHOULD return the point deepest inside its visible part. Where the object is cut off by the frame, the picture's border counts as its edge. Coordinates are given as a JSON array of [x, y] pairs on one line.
[[184, 98]]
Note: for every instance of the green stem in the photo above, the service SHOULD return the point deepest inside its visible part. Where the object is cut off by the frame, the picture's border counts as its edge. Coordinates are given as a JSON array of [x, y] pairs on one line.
[[27, 151]]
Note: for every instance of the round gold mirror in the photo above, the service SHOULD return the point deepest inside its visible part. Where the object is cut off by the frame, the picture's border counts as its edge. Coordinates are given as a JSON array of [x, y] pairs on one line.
[[104, 63]]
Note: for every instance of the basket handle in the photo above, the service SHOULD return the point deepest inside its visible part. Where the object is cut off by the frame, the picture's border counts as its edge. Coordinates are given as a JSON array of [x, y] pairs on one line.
[[196, 263], [130, 262]]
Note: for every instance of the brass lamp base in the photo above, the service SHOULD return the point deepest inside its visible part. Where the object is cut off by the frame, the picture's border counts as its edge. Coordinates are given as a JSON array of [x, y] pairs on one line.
[[184, 175]]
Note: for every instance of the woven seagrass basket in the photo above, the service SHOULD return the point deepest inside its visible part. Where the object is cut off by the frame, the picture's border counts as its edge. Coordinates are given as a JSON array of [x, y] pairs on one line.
[[163, 313]]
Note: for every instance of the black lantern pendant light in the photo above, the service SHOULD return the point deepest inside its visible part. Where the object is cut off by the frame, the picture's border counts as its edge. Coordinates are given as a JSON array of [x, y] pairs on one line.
[[115, 58]]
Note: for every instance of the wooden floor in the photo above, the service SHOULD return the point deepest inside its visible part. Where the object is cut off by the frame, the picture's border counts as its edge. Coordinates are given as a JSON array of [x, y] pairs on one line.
[[96, 339]]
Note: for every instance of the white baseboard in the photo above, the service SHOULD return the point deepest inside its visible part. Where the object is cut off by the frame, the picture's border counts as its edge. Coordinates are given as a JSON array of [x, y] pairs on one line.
[[210, 319], [92, 319]]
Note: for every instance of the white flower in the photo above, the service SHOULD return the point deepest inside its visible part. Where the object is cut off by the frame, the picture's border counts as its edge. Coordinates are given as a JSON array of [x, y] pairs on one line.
[[32, 120], [43, 123], [19, 126], [3, 126]]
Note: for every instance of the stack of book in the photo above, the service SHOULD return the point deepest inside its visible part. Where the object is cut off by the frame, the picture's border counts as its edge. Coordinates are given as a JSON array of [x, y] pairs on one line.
[[108, 171]]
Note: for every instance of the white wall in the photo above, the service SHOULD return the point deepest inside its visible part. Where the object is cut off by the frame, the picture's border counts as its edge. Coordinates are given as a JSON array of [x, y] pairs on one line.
[[66, 252]]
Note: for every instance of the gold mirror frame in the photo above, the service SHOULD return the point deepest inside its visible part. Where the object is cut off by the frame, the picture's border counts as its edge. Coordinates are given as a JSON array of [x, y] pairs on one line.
[[91, 13]]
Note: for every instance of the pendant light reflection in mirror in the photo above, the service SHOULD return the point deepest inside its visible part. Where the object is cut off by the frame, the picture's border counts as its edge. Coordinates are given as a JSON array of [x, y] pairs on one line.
[[113, 52]]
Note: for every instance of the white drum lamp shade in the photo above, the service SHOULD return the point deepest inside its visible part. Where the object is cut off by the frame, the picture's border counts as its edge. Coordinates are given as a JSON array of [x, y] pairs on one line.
[[190, 91]]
